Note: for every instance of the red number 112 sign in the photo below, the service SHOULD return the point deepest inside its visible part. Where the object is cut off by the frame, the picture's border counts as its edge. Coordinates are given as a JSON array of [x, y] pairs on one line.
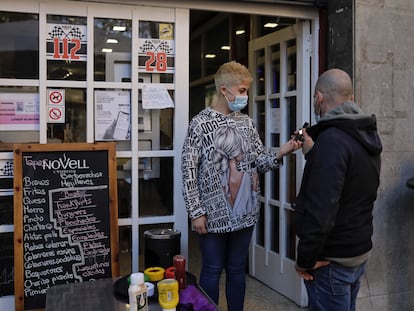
[[66, 42]]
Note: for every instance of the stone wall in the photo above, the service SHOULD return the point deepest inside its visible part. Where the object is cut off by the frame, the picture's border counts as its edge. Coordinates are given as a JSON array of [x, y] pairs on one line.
[[384, 80]]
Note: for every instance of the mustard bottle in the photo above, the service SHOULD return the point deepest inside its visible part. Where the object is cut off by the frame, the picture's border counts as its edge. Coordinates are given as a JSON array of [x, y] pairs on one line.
[[168, 295]]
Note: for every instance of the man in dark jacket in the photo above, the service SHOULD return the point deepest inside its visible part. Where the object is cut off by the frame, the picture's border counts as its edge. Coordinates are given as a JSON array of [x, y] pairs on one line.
[[334, 206]]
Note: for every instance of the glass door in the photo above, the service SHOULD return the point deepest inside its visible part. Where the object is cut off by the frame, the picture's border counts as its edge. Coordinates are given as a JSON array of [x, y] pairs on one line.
[[280, 103]]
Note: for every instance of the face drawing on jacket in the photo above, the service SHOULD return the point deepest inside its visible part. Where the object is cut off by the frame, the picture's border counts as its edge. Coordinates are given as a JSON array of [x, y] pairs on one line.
[[239, 187]]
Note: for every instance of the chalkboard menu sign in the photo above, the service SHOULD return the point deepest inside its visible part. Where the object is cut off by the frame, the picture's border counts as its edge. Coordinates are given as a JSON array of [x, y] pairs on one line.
[[65, 217]]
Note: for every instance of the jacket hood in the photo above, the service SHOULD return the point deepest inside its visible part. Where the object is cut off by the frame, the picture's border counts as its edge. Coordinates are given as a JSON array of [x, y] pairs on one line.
[[350, 118]]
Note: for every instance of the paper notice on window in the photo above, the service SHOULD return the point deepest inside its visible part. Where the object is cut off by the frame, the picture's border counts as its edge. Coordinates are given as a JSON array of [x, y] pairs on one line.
[[19, 111], [155, 96]]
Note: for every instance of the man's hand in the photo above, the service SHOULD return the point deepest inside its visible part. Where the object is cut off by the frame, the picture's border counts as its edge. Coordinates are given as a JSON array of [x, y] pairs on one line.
[[307, 142], [200, 224], [306, 275]]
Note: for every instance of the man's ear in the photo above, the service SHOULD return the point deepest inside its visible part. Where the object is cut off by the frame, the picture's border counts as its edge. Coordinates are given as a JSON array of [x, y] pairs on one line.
[[319, 96]]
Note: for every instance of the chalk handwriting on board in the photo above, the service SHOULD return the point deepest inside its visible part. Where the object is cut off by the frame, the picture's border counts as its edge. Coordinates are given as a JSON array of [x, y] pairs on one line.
[[65, 220]]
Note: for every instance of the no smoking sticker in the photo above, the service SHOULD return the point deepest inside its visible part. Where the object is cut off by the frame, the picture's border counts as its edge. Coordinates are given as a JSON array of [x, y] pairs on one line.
[[56, 115]]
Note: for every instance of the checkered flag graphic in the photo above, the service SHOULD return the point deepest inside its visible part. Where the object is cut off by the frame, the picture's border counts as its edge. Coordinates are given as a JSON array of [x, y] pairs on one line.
[[7, 169], [147, 46], [57, 32], [165, 47], [75, 33]]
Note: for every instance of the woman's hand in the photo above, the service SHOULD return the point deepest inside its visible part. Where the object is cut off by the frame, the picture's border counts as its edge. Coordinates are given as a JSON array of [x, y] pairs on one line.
[[290, 146], [200, 224]]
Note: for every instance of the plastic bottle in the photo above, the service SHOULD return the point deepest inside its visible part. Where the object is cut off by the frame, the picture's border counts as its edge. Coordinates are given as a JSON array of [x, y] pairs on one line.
[[168, 296], [137, 293], [180, 274]]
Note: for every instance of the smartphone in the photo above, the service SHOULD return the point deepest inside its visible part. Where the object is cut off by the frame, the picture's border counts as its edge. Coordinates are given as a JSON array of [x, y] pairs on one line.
[[121, 130], [299, 135]]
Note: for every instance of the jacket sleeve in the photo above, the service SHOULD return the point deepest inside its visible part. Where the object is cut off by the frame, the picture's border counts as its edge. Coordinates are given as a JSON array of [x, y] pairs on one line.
[[318, 201], [190, 157]]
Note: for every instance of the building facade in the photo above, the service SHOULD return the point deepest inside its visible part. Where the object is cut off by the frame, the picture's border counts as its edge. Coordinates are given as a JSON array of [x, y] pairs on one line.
[[70, 76]]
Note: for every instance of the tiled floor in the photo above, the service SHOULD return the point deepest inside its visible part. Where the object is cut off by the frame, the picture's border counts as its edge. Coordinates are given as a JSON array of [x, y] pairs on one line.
[[259, 297]]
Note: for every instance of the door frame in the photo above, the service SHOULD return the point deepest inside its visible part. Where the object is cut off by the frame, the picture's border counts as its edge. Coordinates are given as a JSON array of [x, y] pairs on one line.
[[263, 261]]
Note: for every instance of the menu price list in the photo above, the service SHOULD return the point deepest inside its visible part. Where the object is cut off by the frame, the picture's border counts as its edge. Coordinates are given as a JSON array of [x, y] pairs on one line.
[[65, 232]]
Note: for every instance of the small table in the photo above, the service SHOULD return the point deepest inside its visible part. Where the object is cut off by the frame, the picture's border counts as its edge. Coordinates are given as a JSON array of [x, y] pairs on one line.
[[101, 295], [410, 183], [92, 295]]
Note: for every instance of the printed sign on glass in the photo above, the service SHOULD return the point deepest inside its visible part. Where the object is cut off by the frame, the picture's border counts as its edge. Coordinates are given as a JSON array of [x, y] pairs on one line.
[[156, 48], [66, 42], [19, 111]]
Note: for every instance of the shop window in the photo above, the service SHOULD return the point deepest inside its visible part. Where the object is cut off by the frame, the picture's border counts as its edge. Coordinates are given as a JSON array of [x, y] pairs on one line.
[[156, 186], [71, 125], [66, 47], [112, 117], [125, 250], [19, 53], [19, 114], [124, 181], [156, 52], [112, 49]]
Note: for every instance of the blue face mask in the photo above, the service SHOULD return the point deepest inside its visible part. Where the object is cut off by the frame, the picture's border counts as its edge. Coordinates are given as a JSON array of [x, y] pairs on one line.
[[239, 102]]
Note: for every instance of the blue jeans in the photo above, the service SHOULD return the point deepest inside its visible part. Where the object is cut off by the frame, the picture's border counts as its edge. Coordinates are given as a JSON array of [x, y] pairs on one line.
[[334, 287], [228, 251]]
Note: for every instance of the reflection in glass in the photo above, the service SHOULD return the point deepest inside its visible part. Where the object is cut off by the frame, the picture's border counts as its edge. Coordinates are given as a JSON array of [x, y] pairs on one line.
[[261, 120], [19, 53], [73, 130], [7, 263], [112, 49], [66, 47], [125, 250], [124, 179], [291, 236], [155, 128], [260, 227], [291, 159], [275, 133], [156, 188], [275, 68], [274, 243], [6, 206], [291, 64], [260, 72]]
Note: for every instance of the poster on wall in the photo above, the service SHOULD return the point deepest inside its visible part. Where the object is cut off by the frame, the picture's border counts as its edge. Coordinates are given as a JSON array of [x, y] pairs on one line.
[[19, 111], [66, 42], [112, 115], [156, 49]]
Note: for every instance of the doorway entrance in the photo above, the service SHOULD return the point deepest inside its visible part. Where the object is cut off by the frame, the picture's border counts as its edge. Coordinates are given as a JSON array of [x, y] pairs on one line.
[[283, 64]]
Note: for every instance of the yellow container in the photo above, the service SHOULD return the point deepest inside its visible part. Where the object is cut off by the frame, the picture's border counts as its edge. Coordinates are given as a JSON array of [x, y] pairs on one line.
[[168, 295]]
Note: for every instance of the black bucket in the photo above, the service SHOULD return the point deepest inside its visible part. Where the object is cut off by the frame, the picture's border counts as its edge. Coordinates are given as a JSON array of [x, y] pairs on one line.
[[161, 245]]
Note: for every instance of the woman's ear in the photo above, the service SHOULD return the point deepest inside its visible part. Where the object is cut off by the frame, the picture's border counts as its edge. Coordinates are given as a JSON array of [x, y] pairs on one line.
[[223, 90]]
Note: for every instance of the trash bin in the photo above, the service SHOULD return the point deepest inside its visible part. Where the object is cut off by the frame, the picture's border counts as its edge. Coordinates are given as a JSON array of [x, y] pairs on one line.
[[160, 247]]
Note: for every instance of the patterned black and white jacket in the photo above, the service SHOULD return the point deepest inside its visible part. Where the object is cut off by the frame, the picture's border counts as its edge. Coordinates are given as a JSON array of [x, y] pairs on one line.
[[213, 141]]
